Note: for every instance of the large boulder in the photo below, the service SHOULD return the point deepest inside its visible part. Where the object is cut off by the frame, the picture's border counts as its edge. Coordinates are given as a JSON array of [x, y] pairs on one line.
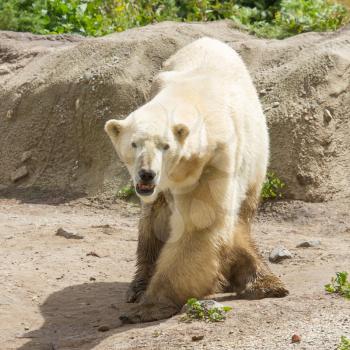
[[56, 92]]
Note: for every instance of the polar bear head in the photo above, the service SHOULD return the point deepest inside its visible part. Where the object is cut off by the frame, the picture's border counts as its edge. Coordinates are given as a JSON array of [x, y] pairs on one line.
[[164, 148]]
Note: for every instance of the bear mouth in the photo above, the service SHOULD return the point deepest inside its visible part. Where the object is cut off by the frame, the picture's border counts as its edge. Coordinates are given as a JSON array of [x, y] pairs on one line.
[[145, 189]]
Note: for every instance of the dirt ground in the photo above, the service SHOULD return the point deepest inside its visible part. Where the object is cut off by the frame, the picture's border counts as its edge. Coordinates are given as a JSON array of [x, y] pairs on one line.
[[56, 295]]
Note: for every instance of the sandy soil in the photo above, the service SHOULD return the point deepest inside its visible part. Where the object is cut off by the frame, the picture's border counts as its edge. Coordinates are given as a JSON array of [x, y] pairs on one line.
[[55, 295]]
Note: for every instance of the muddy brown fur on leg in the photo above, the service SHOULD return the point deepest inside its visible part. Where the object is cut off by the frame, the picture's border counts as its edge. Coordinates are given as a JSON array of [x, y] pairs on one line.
[[249, 276], [153, 232]]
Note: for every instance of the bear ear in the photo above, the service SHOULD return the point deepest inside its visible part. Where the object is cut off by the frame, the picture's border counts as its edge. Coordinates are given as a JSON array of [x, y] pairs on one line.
[[181, 131], [113, 127]]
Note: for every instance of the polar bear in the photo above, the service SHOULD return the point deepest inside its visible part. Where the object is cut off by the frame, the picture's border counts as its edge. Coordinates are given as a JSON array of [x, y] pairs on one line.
[[197, 153]]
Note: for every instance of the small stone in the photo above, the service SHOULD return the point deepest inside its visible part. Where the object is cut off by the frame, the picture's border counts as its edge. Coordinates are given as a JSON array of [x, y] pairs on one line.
[[278, 254], [9, 114], [93, 279], [197, 337], [87, 76], [296, 338], [25, 156], [93, 254], [208, 304], [275, 104], [262, 92], [308, 244], [211, 304], [69, 235], [101, 226], [103, 329], [327, 117], [4, 70], [19, 174]]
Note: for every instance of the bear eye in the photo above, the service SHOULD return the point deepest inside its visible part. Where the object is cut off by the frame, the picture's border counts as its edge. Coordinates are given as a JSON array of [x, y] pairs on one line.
[[133, 145], [165, 147]]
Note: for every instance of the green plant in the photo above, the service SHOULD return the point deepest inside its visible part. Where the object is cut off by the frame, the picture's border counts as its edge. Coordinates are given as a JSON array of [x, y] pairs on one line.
[[297, 16], [344, 343], [85, 17], [290, 17], [199, 310], [267, 18], [22, 15], [339, 285], [126, 192], [272, 187]]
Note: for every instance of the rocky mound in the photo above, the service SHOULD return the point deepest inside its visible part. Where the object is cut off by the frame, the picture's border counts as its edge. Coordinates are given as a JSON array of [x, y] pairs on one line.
[[56, 92]]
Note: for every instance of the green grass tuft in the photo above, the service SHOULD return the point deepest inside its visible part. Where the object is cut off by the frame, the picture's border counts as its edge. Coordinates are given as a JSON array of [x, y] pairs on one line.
[[344, 343], [272, 187], [126, 192], [339, 285], [196, 310]]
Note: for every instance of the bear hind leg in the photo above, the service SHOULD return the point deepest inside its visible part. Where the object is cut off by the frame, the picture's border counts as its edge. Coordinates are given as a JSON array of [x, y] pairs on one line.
[[249, 276]]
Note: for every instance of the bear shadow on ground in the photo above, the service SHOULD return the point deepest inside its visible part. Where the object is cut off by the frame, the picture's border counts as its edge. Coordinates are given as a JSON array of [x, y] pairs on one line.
[[73, 316]]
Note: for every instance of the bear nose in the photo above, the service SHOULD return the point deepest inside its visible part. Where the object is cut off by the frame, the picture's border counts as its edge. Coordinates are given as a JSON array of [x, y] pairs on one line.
[[147, 175]]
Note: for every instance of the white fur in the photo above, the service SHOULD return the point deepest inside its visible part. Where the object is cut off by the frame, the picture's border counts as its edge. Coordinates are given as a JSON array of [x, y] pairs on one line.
[[207, 88]]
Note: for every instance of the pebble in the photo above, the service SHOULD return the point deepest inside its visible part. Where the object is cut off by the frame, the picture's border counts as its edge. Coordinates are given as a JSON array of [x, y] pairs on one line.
[[296, 338], [308, 244], [69, 235], [275, 104], [327, 116], [93, 254], [278, 254], [9, 114], [4, 71], [20, 173], [25, 156], [103, 329], [197, 337], [208, 304]]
